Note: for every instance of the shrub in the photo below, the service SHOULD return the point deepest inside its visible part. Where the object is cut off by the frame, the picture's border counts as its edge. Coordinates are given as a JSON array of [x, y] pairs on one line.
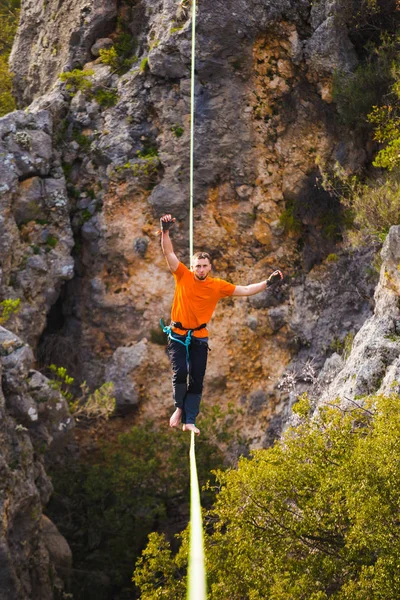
[[96, 405], [177, 130], [77, 80], [117, 61], [356, 93], [9, 307], [107, 504], [9, 17], [106, 98], [289, 219], [81, 139], [315, 516], [373, 206], [7, 101], [144, 64]]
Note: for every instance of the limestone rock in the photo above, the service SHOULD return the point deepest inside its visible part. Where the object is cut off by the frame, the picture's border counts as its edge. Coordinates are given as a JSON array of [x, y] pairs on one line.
[[55, 37], [57, 546], [330, 49], [36, 237], [101, 44], [121, 371], [28, 426], [372, 366]]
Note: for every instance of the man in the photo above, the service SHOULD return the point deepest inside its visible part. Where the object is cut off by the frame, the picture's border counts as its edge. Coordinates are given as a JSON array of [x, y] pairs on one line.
[[195, 299]]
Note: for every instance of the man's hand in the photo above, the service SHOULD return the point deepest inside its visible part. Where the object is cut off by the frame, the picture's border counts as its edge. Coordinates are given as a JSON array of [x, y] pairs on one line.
[[274, 278], [166, 222], [166, 244]]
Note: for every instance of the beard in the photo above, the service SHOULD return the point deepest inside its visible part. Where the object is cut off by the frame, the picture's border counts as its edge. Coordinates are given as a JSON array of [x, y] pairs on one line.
[[201, 277]]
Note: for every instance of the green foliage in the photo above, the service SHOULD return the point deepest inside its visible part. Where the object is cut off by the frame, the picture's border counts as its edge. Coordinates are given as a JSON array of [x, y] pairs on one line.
[[107, 505], [67, 170], [109, 56], [314, 517], [146, 169], [158, 573], [81, 139], [386, 120], [344, 346], [106, 98], [116, 57], [7, 101], [332, 258], [177, 130], [99, 404], [289, 220], [77, 80], [51, 242], [176, 29], [144, 64], [9, 17], [9, 307], [373, 206], [356, 93], [62, 382]]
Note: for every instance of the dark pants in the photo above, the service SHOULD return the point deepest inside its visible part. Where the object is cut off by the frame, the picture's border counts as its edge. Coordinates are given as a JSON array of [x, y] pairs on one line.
[[187, 379]]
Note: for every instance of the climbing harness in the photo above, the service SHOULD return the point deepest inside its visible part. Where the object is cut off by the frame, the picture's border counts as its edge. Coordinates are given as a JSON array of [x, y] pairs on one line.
[[188, 339]]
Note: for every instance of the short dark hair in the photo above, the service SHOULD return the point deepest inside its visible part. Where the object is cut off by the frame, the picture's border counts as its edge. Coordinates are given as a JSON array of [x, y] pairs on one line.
[[201, 255]]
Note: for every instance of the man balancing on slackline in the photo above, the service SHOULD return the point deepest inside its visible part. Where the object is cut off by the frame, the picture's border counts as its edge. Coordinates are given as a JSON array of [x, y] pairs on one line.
[[195, 299]]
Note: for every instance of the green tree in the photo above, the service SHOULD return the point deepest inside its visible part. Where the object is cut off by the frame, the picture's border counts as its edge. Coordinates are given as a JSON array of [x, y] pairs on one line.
[[107, 505], [314, 517], [9, 17]]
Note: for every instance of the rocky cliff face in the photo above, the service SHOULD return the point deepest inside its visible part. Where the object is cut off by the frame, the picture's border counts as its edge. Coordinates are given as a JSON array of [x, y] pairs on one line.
[[35, 558], [264, 121], [87, 172], [373, 364]]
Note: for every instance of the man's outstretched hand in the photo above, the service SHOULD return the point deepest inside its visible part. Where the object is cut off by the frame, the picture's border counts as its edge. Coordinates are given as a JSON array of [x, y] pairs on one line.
[[274, 278], [166, 222]]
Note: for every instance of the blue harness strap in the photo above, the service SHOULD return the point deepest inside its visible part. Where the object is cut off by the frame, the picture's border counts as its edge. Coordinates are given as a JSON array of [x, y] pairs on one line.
[[188, 339]]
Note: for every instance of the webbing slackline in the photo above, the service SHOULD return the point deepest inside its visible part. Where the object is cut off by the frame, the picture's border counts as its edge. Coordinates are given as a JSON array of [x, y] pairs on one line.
[[192, 80], [196, 586], [196, 589]]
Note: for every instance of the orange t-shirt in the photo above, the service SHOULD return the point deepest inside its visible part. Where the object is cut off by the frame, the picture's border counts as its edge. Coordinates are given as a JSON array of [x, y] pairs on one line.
[[195, 301]]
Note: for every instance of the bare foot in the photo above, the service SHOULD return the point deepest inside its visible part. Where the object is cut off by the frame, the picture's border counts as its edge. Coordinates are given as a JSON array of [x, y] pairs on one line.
[[190, 427], [175, 420]]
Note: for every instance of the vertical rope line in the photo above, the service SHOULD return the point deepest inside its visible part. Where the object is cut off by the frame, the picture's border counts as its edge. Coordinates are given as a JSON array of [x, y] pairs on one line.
[[196, 589], [192, 81], [196, 574]]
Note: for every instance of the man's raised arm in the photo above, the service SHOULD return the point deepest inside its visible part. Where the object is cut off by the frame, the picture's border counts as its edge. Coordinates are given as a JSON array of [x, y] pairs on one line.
[[165, 223], [255, 288]]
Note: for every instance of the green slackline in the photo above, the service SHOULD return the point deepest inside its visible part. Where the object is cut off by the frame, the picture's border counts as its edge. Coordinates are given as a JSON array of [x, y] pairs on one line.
[[196, 588], [196, 574], [192, 127]]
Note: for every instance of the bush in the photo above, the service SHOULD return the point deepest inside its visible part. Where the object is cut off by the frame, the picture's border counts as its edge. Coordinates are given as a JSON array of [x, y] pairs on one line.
[[314, 517], [373, 206], [9, 307], [7, 101], [144, 64], [107, 504], [9, 17], [118, 62], [356, 93], [106, 98], [96, 405], [77, 80]]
